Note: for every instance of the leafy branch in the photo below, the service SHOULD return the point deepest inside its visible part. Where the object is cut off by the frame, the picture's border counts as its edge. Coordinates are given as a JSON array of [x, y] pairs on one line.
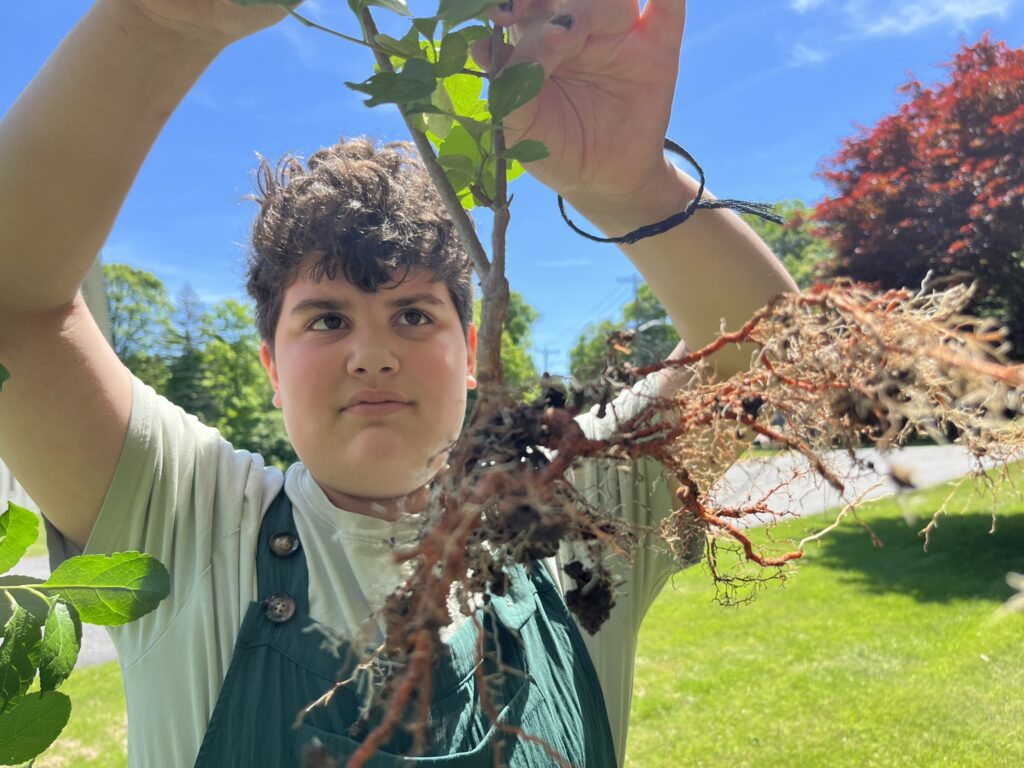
[[42, 628]]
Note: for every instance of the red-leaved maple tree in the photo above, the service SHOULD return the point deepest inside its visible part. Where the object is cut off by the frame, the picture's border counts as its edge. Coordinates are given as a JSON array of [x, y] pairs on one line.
[[940, 186]]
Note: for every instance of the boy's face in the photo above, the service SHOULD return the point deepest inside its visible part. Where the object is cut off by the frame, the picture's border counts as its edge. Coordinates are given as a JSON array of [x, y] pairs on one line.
[[373, 385]]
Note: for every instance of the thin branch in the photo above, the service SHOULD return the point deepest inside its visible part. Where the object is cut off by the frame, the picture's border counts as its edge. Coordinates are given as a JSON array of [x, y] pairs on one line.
[[313, 25], [495, 287], [463, 224]]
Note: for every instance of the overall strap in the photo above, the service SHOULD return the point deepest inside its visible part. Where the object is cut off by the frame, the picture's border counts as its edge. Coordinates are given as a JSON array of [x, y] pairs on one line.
[[280, 557]]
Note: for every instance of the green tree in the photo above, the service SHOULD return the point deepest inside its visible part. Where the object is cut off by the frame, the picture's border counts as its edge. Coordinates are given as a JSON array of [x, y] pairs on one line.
[[140, 322], [798, 244], [185, 386], [653, 340], [236, 385], [938, 187]]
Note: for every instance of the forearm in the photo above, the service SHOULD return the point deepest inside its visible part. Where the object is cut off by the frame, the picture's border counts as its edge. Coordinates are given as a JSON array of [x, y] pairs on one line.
[[72, 144], [711, 267]]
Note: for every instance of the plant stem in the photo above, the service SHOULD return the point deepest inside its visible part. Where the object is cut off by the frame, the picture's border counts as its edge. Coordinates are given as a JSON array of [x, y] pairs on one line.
[[31, 590], [376, 49], [463, 224], [495, 286], [310, 23]]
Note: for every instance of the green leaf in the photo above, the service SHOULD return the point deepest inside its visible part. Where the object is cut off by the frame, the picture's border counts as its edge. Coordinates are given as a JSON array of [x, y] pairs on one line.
[[34, 604], [420, 108], [475, 128], [426, 26], [62, 640], [19, 529], [4, 376], [458, 163], [399, 47], [416, 81], [32, 725], [475, 32], [454, 12], [397, 6], [461, 142], [488, 183], [527, 151], [464, 92], [19, 655], [459, 155], [110, 590], [459, 169], [423, 115], [439, 123], [514, 87], [514, 170], [454, 52]]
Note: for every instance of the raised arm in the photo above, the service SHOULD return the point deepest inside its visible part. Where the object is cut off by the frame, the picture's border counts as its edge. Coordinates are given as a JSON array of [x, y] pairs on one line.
[[604, 113], [70, 148]]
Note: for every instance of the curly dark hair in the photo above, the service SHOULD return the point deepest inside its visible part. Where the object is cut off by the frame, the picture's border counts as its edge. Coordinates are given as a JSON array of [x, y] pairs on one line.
[[364, 210]]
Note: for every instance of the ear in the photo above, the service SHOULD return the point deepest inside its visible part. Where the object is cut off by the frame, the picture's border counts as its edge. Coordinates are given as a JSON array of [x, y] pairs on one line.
[[471, 357], [271, 368]]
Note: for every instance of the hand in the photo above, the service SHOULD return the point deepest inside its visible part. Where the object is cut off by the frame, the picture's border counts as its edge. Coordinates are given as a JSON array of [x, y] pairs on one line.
[[610, 78], [210, 21]]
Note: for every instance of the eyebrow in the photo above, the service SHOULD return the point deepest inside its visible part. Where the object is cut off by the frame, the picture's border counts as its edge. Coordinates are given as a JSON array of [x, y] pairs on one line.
[[338, 305]]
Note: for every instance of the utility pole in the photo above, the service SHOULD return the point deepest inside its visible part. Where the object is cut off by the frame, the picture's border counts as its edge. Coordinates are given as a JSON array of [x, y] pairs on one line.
[[635, 280], [547, 356]]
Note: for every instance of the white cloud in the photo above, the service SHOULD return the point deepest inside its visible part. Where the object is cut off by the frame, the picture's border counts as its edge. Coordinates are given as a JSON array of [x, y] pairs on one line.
[[804, 55], [885, 18], [802, 6]]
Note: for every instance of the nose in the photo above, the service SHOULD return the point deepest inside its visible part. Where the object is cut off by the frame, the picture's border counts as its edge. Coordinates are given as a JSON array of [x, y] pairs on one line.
[[370, 354]]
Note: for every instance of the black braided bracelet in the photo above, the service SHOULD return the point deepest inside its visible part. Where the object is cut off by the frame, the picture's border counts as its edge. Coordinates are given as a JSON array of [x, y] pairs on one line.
[[763, 210]]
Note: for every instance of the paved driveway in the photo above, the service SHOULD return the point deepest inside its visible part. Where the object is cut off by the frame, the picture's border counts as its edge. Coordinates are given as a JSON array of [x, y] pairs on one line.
[[809, 494]]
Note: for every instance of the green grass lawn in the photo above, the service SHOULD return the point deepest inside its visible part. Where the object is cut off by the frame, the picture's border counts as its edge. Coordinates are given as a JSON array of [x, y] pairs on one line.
[[96, 734], [866, 657], [38, 548]]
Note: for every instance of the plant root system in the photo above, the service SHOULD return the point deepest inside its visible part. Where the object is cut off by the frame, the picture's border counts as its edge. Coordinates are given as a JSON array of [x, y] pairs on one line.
[[835, 367]]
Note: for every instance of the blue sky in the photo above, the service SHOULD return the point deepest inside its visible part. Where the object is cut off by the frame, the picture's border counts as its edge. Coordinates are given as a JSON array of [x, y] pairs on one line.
[[766, 91]]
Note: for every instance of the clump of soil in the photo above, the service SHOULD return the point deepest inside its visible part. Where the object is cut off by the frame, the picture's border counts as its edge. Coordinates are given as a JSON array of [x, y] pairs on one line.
[[593, 599]]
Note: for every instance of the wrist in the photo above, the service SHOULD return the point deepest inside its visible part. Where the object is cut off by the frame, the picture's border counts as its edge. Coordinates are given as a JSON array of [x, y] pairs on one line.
[[664, 193], [147, 30]]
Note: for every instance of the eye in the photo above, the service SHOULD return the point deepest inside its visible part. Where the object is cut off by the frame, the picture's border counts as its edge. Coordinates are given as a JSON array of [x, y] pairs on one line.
[[329, 323], [415, 317]]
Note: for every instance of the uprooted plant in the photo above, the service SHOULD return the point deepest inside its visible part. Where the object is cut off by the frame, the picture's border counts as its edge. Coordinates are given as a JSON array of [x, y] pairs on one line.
[[836, 367]]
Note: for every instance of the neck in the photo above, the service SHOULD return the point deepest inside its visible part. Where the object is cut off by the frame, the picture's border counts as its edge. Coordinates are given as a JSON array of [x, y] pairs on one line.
[[380, 509]]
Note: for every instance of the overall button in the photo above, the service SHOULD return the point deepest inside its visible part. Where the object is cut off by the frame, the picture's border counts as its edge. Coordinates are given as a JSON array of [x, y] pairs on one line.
[[280, 606], [284, 544]]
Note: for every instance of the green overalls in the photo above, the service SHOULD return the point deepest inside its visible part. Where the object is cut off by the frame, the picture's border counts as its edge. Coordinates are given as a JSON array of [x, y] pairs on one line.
[[280, 666]]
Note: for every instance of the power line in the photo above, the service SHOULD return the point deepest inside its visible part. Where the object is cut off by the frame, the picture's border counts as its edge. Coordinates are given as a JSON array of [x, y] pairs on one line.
[[613, 300]]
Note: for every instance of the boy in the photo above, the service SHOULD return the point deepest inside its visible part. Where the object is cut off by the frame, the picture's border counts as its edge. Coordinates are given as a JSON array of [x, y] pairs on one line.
[[370, 352]]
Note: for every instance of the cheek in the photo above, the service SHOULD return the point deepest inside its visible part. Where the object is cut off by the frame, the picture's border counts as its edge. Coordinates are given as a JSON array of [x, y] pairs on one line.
[[303, 379]]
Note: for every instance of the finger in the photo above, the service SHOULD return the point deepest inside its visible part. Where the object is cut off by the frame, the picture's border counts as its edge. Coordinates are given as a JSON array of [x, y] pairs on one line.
[[481, 53], [669, 16], [550, 38], [547, 39], [558, 40], [510, 12]]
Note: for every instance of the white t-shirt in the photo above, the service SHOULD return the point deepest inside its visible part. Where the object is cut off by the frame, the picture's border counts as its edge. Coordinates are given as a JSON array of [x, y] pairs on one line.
[[182, 494]]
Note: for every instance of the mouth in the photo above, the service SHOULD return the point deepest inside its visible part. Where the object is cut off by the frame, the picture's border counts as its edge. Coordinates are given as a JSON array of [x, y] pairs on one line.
[[375, 408]]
